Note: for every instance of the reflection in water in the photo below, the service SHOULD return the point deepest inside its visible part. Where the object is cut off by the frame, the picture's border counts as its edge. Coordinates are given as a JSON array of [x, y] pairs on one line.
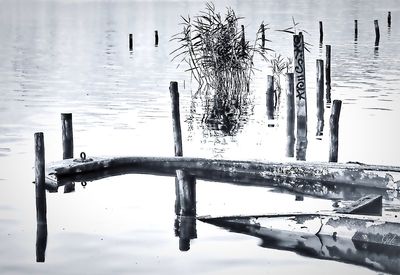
[[377, 257]]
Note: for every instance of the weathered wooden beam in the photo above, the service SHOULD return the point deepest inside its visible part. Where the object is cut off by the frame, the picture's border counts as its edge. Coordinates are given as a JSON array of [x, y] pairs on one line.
[[367, 205]]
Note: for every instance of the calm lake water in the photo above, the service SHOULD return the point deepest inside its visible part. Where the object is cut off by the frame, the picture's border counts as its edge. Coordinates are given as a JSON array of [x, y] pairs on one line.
[[72, 56]]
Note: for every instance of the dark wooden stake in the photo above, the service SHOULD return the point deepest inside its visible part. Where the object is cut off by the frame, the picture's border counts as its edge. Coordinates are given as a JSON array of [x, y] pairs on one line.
[[328, 73], [262, 36], [355, 30], [290, 115], [40, 191], [270, 97], [156, 38], [320, 97], [377, 34], [185, 185], [334, 130], [389, 19], [301, 96], [243, 41], [67, 136], [185, 229], [321, 33], [131, 42]]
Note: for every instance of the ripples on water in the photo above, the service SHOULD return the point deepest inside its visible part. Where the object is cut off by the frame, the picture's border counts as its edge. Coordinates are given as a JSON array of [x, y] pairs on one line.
[[72, 56]]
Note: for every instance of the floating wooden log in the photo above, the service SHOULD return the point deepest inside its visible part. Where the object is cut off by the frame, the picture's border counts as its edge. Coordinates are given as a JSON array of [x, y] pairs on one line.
[[352, 174], [345, 238], [367, 205]]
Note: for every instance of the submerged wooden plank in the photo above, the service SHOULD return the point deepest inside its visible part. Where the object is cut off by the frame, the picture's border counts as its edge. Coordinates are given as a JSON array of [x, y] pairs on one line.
[[367, 205], [303, 234], [352, 174]]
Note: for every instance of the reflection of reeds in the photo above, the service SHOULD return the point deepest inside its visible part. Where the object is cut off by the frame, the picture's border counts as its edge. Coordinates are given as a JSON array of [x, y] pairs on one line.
[[219, 56]]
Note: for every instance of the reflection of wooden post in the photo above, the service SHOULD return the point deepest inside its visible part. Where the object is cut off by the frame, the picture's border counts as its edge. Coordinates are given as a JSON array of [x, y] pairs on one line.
[[40, 192], [185, 229], [185, 185], [320, 97], [328, 73], [355, 30], [321, 33], [290, 115], [131, 42], [389, 19], [67, 136], [270, 97], [156, 38], [301, 98], [377, 34], [262, 36], [334, 131]]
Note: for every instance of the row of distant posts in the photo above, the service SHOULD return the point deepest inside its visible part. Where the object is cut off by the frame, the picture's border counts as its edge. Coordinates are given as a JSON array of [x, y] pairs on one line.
[[131, 40]]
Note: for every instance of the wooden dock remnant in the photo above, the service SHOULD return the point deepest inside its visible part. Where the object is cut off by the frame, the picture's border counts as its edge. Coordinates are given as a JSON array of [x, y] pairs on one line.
[[328, 74], [334, 131], [290, 115], [321, 33], [320, 96], [301, 96], [67, 136], [367, 205], [389, 19], [156, 38], [262, 29], [270, 97], [355, 30], [130, 42], [185, 185], [377, 33]]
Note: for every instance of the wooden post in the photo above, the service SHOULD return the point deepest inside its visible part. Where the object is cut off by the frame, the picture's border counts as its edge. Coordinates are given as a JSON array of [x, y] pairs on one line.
[[355, 30], [320, 96], [185, 229], [301, 98], [156, 38], [67, 136], [270, 97], [131, 42], [321, 33], [328, 74], [185, 185], [243, 41], [290, 115], [262, 36], [389, 19], [40, 191], [377, 34], [334, 130]]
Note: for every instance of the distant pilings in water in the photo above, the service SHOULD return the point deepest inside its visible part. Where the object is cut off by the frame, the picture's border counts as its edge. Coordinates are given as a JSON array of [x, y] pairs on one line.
[[270, 97], [67, 136], [301, 98], [320, 96], [130, 42], [377, 33], [262, 29], [40, 191], [328, 74], [156, 38], [355, 30], [290, 115], [321, 33], [334, 131], [389, 19]]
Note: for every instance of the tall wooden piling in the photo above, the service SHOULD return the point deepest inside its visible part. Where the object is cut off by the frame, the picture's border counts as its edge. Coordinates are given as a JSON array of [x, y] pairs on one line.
[[131, 42], [270, 96], [290, 115], [185, 229], [334, 130], [301, 98], [262, 35], [377, 33], [320, 97], [321, 33], [40, 191], [355, 30], [156, 38], [243, 41], [389, 19], [328, 73], [67, 136], [185, 185]]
